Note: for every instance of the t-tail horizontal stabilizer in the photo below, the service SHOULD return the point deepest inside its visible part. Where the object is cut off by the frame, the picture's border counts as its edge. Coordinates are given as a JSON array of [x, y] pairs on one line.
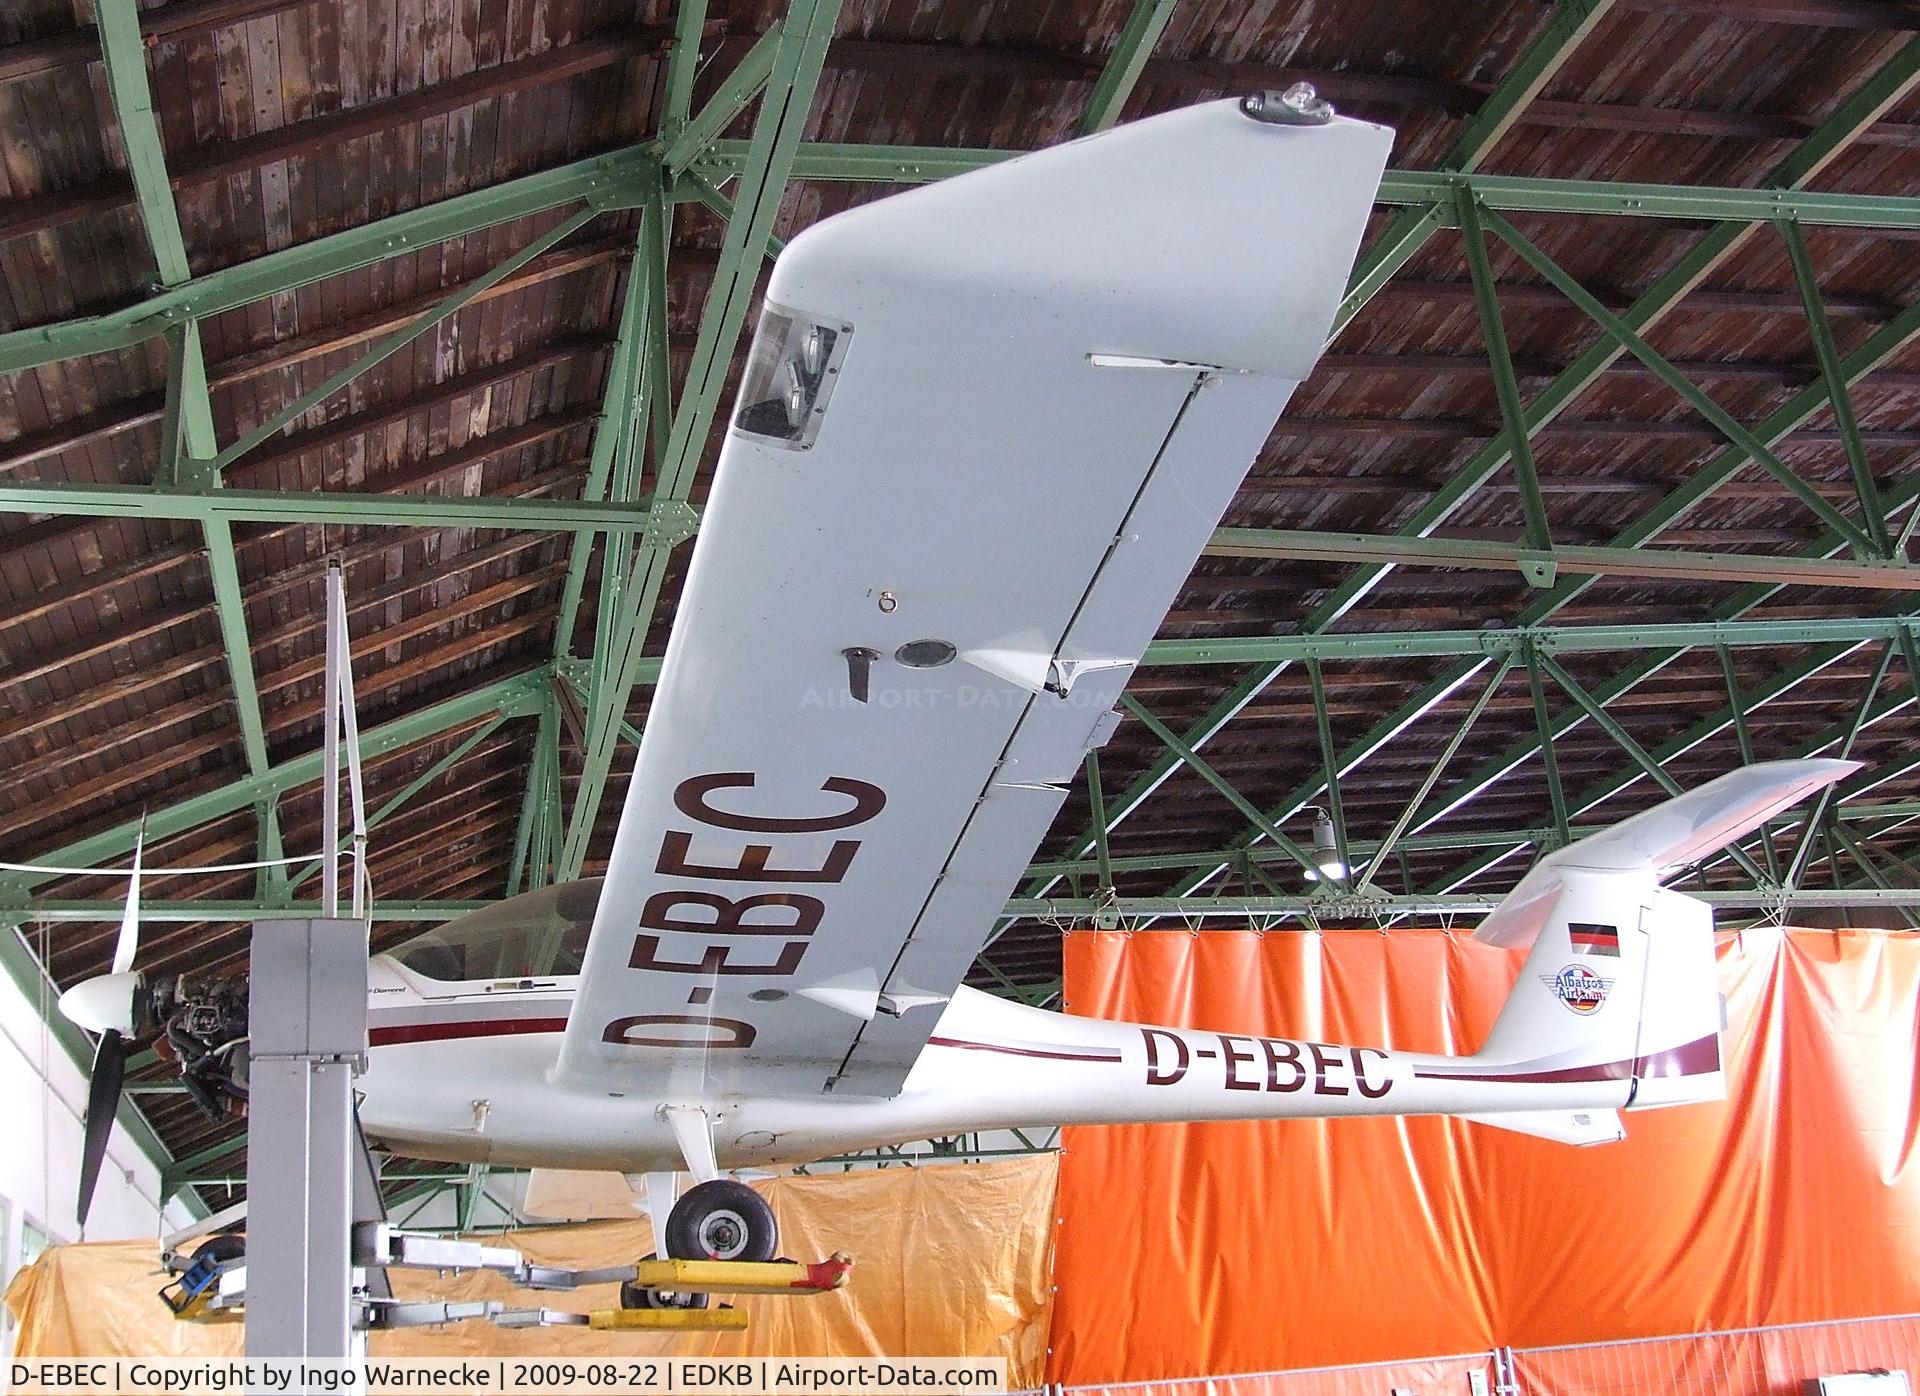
[[1619, 988]]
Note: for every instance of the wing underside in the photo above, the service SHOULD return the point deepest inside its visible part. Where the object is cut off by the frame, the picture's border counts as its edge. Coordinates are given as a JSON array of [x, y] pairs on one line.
[[985, 430]]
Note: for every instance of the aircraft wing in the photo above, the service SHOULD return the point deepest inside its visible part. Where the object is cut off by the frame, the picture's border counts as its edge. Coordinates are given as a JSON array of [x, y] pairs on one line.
[[985, 429]]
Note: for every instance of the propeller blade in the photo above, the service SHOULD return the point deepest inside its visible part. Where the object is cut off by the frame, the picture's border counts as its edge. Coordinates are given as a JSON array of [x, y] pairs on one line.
[[129, 940], [103, 1100]]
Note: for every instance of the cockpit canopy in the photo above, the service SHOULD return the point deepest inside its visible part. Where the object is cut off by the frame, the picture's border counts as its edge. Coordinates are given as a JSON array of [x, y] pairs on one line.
[[534, 935]]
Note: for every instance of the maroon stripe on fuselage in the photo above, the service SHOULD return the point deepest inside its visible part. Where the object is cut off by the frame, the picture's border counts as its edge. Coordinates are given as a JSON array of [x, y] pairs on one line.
[[442, 1032], [1700, 1057], [501, 1027], [1023, 1051]]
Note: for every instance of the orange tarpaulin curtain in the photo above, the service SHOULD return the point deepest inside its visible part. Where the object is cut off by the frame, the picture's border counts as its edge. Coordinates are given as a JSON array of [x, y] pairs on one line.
[[950, 1260], [1220, 1248]]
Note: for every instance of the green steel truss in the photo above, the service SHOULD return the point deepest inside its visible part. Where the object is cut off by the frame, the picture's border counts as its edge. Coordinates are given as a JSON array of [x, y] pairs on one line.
[[580, 695]]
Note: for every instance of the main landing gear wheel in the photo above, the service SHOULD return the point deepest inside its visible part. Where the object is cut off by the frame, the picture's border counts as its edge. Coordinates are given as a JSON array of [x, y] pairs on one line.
[[221, 1249], [722, 1220]]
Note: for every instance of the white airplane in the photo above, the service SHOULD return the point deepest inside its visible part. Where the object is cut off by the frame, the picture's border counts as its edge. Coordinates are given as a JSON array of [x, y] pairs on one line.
[[985, 430]]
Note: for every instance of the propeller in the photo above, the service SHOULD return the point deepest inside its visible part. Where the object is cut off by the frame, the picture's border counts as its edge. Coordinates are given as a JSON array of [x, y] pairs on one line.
[[115, 1005], [103, 1101]]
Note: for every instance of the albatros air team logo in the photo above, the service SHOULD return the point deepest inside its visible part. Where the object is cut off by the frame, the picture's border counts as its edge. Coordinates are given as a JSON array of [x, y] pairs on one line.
[[1579, 988]]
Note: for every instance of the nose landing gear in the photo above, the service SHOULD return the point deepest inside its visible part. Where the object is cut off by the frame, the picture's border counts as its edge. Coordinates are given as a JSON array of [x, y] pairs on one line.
[[719, 1220], [722, 1220]]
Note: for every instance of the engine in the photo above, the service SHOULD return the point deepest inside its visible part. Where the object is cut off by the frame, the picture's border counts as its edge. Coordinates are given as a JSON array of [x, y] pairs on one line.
[[203, 1028]]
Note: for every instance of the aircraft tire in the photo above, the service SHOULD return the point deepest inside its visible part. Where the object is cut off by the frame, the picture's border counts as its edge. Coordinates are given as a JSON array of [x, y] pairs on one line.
[[722, 1220], [222, 1248], [632, 1296]]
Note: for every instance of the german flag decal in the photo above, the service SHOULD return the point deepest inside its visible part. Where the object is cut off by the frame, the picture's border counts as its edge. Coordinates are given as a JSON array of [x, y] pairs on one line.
[[1591, 938]]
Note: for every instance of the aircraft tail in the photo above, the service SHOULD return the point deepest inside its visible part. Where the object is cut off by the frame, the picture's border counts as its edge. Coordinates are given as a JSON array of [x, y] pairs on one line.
[[1619, 983]]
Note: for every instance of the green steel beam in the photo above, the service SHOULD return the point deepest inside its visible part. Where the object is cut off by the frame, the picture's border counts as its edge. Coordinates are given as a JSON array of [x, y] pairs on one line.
[[612, 181], [186, 419], [637, 393], [1892, 336], [1889, 340], [125, 52], [55, 910], [1890, 809], [1434, 771], [1200, 767], [1506, 385], [1501, 840], [1408, 231], [1178, 913], [1833, 377], [1656, 363], [1127, 60], [187, 438], [521, 875], [683, 64], [1783, 197], [1399, 550], [1889, 84], [519, 696], [1743, 738], [1858, 851], [1543, 728], [609, 181], [614, 432], [444, 310], [1053, 909], [1872, 710], [1361, 646], [782, 117], [1565, 29], [650, 415], [1696, 733], [697, 188], [746, 82], [1410, 711], [1096, 800], [1427, 194], [851, 162], [188, 445], [1263, 855], [1905, 867], [1815, 816], [224, 909], [183, 1172], [673, 521], [471, 1191], [402, 798], [549, 824]]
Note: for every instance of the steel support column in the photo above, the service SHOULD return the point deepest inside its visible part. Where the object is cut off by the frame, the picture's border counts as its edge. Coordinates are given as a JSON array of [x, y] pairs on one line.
[[308, 1011]]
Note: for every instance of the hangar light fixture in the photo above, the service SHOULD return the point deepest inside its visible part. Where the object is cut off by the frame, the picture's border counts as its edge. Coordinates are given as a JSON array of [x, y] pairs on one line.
[[1326, 849]]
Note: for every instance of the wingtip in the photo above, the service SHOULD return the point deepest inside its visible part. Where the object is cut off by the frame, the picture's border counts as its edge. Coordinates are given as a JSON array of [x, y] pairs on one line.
[[1815, 771]]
